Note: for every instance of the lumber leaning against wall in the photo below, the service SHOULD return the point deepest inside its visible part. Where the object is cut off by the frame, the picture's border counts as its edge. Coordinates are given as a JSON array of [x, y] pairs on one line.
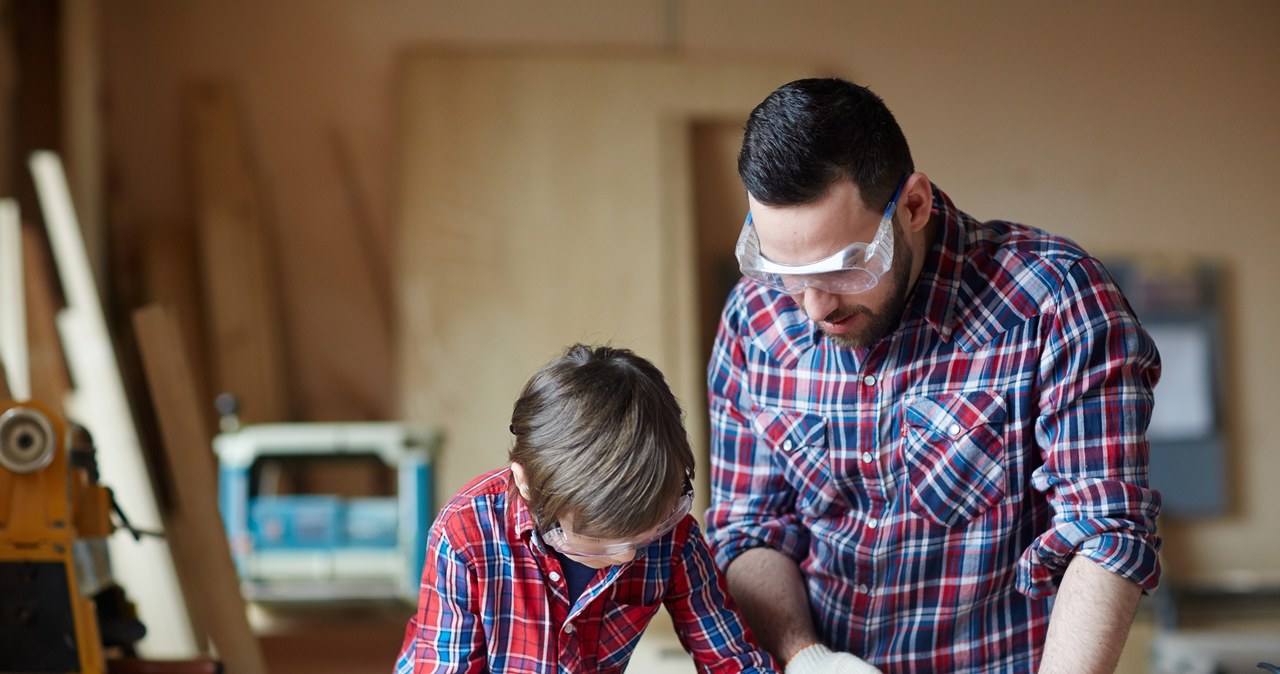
[[144, 568]]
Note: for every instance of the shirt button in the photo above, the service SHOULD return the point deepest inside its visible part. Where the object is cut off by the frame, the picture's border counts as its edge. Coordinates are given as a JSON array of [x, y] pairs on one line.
[[868, 457], [786, 445], [871, 524], [554, 576], [869, 380], [954, 430], [568, 628], [863, 589]]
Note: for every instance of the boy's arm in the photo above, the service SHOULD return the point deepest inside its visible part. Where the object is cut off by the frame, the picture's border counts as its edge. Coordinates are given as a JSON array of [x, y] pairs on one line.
[[445, 635], [705, 617]]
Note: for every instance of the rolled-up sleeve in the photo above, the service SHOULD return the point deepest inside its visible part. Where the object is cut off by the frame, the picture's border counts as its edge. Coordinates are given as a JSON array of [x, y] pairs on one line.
[[1097, 374], [752, 505]]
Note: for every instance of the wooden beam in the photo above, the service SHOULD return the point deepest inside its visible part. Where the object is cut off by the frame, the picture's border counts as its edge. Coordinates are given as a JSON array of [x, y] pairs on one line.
[[13, 309], [238, 260], [50, 381], [196, 532], [99, 403]]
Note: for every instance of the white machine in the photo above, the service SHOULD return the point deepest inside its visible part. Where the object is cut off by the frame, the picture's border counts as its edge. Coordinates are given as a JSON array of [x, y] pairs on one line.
[[291, 546]]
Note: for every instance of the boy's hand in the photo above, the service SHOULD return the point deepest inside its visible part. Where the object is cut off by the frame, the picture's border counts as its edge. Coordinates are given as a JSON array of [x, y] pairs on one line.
[[818, 659]]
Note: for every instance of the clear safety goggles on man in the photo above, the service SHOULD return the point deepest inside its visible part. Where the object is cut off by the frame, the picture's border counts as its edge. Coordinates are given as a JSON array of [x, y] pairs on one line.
[[855, 269], [577, 545]]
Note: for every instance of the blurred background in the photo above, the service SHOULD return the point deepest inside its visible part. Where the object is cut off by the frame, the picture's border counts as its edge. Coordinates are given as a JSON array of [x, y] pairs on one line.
[[398, 210]]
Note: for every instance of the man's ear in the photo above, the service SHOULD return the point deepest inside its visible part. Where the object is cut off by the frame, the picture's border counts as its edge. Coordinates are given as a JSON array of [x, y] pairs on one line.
[[522, 484], [916, 202]]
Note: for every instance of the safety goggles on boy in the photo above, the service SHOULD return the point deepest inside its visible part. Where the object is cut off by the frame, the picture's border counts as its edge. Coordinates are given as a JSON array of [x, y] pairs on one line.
[[577, 545], [855, 269]]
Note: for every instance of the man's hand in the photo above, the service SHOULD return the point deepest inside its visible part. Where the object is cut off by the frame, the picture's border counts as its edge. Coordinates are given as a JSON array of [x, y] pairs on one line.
[[818, 659]]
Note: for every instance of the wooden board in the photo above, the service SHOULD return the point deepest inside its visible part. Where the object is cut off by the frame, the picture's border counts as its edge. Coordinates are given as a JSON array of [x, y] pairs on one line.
[[98, 402], [196, 533], [241, 289], [13, 309], [546, 199], [50, 381]]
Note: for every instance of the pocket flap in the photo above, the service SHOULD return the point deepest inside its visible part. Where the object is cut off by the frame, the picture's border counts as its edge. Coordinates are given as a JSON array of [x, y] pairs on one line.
[[788, 430], [949, 413]]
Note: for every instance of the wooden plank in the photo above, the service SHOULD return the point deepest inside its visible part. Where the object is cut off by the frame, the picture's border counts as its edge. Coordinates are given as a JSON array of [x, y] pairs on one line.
[[196, 533], [13, 305], [50, 381], [99, 403], [241, 290], [8, 100], [172, 278], [79, 54]]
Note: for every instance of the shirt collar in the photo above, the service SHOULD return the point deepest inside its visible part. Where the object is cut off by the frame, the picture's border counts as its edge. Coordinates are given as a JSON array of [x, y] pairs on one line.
[[934, 297], [519, 519]]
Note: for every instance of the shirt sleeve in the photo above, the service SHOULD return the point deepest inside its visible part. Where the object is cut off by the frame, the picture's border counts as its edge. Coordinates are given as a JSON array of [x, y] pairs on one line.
[[445, 635], [1097, 373], [752, 504], [704, 614]]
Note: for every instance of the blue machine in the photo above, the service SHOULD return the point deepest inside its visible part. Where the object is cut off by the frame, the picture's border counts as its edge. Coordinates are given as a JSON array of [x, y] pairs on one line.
[[326, 547]]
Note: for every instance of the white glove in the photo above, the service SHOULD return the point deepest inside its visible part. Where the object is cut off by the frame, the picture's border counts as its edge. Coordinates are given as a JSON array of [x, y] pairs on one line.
[[818, 659]]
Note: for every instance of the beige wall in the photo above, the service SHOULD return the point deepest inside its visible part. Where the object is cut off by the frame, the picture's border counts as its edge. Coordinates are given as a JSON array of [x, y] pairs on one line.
[[1138, 126]]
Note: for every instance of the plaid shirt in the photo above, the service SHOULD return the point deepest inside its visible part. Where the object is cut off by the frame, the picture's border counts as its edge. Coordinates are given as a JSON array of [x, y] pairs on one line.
[[494, 599], [934, 487]]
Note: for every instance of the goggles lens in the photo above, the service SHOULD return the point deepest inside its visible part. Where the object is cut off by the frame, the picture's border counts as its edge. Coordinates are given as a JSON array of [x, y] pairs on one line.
[[577, 545], [855, 269]]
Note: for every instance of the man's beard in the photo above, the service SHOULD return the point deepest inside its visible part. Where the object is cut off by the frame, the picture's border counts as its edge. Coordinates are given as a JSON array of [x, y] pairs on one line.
[[879, 323]]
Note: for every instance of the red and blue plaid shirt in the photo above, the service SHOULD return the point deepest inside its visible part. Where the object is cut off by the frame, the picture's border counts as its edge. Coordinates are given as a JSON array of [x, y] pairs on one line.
[[934, 487], [494, 599]]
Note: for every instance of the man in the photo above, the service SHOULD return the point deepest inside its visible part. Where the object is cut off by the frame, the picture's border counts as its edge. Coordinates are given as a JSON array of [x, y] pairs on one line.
[[928, 432]]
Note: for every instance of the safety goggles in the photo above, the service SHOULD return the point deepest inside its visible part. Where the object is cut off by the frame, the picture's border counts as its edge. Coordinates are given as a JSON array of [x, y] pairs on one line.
[[855, 269], [577, 545]]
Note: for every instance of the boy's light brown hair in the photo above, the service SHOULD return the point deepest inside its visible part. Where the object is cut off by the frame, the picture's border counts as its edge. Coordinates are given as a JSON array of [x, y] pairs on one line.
[[601, 436]]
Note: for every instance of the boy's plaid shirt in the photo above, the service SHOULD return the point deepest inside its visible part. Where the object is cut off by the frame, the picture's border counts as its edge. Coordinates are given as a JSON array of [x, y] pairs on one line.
[[493, 599]]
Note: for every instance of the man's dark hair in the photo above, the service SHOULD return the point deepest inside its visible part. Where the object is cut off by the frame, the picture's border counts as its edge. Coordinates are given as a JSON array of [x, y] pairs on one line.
[[601, 437], [809, 133]]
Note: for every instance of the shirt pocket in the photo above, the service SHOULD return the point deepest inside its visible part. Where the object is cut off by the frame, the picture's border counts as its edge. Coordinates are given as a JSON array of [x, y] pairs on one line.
[[955, 454], [798, 441]]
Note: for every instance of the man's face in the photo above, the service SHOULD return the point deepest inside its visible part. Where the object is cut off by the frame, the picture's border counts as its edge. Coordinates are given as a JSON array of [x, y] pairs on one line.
[[802, 234]]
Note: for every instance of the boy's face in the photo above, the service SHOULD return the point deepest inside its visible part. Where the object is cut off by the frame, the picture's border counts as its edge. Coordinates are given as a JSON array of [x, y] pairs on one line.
[[627, 546], [599, 553]]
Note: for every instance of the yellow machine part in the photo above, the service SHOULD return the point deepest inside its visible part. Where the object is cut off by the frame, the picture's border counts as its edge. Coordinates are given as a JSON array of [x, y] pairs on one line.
[[49, 626]]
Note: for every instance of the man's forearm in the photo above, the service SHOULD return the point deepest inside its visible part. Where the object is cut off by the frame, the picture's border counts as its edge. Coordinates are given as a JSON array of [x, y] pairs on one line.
[[770, 592], [1090, 621]]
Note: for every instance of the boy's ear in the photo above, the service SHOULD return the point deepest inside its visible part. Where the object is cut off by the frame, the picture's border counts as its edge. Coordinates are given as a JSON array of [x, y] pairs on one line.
[[522, 484]]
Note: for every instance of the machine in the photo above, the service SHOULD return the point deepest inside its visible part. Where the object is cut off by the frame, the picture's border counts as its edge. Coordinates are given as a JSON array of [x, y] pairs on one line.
[[54, 522], [297, 539]]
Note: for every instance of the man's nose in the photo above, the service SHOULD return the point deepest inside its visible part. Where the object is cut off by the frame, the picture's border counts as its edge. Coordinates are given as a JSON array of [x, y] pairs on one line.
[[817, 303]]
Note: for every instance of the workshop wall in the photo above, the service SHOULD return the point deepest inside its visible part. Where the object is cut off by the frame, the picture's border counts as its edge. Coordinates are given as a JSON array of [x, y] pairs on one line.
[[1134, 127]]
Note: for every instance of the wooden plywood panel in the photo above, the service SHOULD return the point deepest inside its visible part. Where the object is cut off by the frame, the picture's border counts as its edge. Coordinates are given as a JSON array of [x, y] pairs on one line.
[[237, 252], [546, 199]]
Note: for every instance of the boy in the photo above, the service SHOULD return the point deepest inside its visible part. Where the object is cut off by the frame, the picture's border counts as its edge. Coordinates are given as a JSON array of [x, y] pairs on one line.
[[558, 562]]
